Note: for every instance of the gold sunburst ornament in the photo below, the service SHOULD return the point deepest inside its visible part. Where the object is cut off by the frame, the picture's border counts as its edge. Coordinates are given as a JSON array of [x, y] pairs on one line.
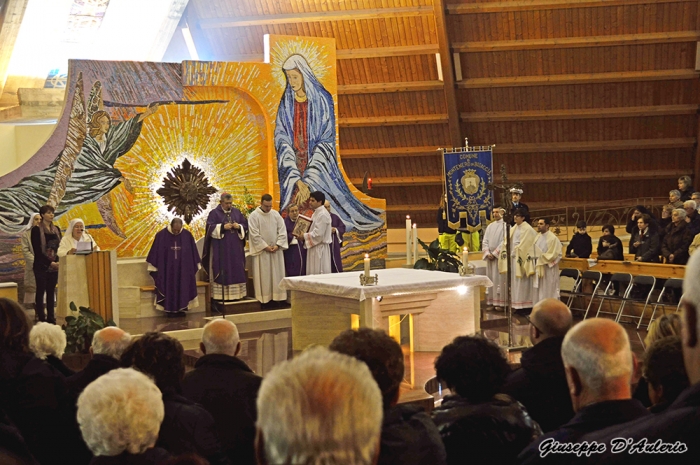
[[186, 190]]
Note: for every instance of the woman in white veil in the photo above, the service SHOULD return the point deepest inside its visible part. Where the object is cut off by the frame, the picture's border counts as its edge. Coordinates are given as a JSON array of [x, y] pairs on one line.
[[75, 232], [28, 252]]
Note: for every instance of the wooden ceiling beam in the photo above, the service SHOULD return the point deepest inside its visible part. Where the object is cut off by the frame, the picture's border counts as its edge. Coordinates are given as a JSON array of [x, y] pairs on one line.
[[400, 120], [602, 145], [534, 178], [525, 5], [448, 74], [312, 17], [391, 152], [584, 78], [580, 113], [383, 87], [354, 53], [577, 42]]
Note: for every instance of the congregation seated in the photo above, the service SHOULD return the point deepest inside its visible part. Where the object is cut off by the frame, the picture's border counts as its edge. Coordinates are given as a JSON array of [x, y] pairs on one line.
[[108, 345], [685, 186], [674, 199], [645, 242], [120, 414], [664, 372], [227, 388], [477, 421], [74, 234], [599, 365], [321, 407], [581, 244], [408, 434], [48, 342], [678, 424], [677, 240], [609, 245], [186, 427], [540, 382], [692, 217], [34, 396]]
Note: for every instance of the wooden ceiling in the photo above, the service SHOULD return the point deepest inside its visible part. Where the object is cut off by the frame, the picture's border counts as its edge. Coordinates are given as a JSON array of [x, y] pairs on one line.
[[586, 100]]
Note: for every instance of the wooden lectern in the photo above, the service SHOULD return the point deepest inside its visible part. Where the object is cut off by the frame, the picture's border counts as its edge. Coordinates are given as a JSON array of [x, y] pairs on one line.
[[89, 281]]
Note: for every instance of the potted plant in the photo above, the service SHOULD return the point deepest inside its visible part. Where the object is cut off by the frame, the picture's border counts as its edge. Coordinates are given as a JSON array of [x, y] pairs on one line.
[[80, 328], [439, 259]]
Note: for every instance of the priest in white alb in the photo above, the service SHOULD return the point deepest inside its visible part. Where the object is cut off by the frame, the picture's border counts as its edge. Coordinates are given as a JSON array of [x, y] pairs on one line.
[[548, 253], [491, 247], [522, 262], [267, 242], [318, 239]]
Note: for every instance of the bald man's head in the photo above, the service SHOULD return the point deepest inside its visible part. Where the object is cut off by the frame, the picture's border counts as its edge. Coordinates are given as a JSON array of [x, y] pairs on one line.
[[220, 337], [110, 341], [551, 318], [327, 204], [599, 351]]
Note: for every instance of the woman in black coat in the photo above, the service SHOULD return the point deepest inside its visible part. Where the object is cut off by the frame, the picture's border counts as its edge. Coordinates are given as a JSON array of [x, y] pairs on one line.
[[609, 245], [476, 422], [45, 240]]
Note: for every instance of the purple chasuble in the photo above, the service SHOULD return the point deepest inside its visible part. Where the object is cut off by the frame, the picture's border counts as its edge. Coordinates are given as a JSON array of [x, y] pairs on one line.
[[227, 255], [336, 260], [176, 259], [295, 255]]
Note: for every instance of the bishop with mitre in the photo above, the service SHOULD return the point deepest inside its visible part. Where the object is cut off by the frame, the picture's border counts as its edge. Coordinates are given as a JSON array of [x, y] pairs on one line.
[[173, 262]]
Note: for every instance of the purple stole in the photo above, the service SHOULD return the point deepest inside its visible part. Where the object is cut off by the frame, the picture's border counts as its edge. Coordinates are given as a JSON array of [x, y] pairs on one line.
[[227, 255]]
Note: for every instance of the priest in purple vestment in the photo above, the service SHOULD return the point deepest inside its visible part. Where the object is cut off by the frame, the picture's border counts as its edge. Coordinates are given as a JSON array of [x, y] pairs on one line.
[[295, 255], [337, 231], [224, 251], [173, 262]]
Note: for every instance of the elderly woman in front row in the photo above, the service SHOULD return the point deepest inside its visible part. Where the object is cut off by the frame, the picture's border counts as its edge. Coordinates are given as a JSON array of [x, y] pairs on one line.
[[677, 239], [120, 415], [74, 234], [48, 342]]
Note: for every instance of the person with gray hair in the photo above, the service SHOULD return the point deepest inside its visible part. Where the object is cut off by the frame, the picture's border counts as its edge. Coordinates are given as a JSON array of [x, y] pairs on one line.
[[108, 345], [599, 365], [319, 408], [226, 387], [223, 255], [674, 199], [692, 217], [540, 382], [48, 342], [677, 240], [119, 416]]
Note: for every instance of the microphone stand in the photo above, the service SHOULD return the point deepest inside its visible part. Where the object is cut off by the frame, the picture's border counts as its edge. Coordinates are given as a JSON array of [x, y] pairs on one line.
[[504, 187]]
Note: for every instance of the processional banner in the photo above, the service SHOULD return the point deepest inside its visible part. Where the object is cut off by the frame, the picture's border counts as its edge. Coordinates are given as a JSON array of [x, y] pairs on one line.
[[468, 171]]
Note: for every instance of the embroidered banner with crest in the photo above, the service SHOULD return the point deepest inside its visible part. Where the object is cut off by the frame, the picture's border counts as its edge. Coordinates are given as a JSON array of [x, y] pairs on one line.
[[468, 171]]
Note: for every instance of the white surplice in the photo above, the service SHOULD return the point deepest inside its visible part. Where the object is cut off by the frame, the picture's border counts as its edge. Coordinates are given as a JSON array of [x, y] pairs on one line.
[[267, 229], [491, 246], [548, 251], [316, 241], [522, 261]]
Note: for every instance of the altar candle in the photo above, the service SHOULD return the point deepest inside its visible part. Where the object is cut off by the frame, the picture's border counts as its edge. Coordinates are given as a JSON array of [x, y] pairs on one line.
[[465, 257], [408, 239], [366, 266], [415, 243]]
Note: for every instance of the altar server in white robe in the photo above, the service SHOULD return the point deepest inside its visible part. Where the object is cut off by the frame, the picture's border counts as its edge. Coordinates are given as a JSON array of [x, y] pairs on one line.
[[522, 260], [548, 250], [491, 247], [267, 242], [318, 239]]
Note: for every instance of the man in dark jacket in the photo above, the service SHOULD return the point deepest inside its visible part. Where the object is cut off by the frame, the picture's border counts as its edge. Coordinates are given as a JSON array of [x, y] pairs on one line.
[[679, 424], [408, 434], [581, 244], [645, 241], [540, 383], [224, 385], [108, 345], [692, 217], [599, 365], [677, 239]]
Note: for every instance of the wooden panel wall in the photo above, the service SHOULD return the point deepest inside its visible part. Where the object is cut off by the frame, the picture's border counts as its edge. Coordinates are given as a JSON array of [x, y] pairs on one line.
[[585, 101]]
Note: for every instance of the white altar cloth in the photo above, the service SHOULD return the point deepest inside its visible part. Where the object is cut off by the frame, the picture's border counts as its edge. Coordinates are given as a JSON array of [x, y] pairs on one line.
[[391, 282]]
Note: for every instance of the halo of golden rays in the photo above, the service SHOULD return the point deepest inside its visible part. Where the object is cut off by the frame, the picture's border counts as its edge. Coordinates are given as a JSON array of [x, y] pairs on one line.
[[226, 141], [315, 54]]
